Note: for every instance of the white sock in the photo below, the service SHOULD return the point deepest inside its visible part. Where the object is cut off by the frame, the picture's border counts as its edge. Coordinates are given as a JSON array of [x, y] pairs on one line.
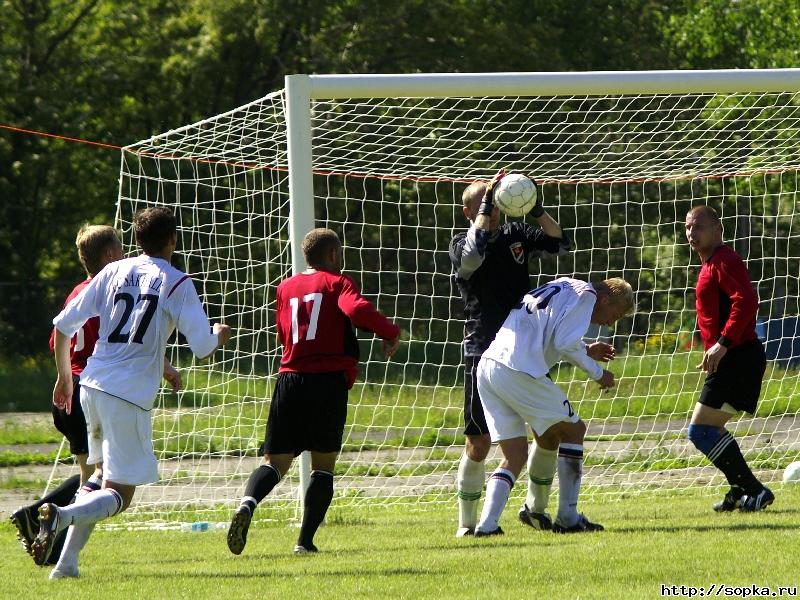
[[471, 475], [77, 536], [90, 508], [93, 484], [541, 469], [497, 492], [570, 470]]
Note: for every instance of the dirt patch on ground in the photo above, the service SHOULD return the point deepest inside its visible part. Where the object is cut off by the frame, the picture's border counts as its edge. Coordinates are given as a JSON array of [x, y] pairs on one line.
[[194, 481]]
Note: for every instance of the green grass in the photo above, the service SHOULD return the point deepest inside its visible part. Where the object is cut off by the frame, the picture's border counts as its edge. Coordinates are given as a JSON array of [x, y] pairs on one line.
[[16, 458], [399, 552], [226, 414]]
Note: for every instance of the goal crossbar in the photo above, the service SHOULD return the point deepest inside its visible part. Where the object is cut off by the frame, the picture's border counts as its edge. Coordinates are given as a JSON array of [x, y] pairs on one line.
[[441, 85]]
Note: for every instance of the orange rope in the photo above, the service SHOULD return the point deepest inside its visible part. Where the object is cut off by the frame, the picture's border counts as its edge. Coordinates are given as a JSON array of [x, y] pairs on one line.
[[59, 137]]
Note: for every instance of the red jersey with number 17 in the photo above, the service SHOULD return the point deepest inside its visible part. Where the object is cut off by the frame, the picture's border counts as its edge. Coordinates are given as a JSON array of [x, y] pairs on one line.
[[316, 313], [82, 344]]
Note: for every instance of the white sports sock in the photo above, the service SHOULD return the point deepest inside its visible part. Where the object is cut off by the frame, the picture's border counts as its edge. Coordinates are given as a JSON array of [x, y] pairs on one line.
[[90, 508], [77, 536], [541, 469], [570, 470], [471, 475], [497, 492]]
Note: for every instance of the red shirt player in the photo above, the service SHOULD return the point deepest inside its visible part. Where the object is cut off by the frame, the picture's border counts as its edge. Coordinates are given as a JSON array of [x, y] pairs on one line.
[[734, 358], [316, 311]]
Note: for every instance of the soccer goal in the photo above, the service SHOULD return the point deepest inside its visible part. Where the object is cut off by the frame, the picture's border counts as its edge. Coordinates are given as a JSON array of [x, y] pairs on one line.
[[382, 159]]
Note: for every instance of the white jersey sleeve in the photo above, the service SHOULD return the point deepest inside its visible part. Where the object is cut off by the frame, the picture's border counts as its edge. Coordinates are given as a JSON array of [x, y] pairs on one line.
[[568, 336], [80, 309], [546, 327], [190, 318]]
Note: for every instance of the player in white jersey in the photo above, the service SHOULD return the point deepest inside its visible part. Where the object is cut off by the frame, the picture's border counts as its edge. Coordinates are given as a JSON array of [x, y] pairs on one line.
[[546, 327], [140, 302]]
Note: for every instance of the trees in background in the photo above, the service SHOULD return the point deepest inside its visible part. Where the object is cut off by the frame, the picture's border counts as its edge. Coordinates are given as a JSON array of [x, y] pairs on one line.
[[120, 71]]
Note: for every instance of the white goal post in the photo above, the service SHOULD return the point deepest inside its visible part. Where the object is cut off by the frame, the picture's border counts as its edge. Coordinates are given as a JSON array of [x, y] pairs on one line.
[[382, 159]]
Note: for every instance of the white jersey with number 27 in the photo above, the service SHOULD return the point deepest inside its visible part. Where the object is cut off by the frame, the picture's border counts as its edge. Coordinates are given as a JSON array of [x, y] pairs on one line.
[[546, 327], [140, 302]]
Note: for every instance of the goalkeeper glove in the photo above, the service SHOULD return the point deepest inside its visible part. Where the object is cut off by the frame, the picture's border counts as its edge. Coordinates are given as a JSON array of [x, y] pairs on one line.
[[538, 210], [487, 203]]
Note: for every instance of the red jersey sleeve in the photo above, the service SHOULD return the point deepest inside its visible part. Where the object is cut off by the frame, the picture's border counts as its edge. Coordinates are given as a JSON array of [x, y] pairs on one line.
[[81, 346], [361, 312], [734, 281]]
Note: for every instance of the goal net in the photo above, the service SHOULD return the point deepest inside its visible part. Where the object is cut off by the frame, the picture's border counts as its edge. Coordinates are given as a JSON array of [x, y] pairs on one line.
[[387, 165]]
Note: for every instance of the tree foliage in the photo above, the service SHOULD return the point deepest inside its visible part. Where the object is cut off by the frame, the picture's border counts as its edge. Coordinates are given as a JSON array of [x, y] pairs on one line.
[[120, 71]]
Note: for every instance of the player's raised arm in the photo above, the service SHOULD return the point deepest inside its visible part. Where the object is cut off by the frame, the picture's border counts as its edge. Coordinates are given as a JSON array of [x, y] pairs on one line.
[[467, 251]]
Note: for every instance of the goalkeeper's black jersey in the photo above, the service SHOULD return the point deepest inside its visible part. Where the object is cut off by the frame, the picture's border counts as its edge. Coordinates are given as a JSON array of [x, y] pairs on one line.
[[497, 285]]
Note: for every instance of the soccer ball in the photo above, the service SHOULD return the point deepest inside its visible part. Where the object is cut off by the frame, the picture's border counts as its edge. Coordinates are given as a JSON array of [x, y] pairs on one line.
[[792, 472], [515, 195]]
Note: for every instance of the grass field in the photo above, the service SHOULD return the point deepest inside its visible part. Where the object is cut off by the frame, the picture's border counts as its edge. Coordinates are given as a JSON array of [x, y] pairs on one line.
[[649, 540]]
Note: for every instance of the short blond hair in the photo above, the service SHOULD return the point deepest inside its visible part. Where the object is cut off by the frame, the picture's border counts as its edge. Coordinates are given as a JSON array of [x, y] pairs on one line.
[[620, 292], [474, 190], [92, 241]]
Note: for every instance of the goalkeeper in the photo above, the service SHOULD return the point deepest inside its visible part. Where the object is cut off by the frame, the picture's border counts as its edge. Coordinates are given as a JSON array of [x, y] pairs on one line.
[[491, 263]]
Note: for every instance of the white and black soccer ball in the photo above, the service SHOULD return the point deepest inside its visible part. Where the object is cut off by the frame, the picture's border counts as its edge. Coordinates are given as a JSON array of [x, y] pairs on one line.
[[515, 195], [791, 474]]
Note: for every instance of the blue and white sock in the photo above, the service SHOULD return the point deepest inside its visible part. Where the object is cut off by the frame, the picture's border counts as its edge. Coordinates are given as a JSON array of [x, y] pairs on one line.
[[497, 492]]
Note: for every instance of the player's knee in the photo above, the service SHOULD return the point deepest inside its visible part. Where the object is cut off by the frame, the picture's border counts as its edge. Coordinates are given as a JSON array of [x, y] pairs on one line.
[[573, 433], [477, 447], [704, 437]]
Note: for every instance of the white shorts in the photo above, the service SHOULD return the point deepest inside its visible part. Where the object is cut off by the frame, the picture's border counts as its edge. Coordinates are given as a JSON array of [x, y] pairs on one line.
[[512, 398], [121, 437]]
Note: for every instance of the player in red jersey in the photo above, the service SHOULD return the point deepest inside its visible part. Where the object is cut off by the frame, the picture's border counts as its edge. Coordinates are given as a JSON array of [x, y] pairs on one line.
[[734, 358], [316, 311]]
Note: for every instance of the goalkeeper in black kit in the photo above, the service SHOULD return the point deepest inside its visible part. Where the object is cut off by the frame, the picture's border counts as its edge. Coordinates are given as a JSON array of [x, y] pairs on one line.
[[491, 263]]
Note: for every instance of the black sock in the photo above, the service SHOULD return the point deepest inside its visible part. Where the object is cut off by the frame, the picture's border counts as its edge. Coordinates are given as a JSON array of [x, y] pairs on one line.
[[62, 495], [318, 499], [261, 482], [728, 459]]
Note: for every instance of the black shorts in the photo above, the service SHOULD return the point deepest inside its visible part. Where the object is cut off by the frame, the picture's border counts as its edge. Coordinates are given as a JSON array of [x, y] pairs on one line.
[[474, 419], [73, 425], [738, 378], [308, 412]]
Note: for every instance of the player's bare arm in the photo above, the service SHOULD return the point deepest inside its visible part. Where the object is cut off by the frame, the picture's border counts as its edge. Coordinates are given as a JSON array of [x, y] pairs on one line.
[[62, 392], [600, 351], [486, 210], [390, 346], [712, 358], [172, 376], [550, 226], [223, 333], [606, 380]]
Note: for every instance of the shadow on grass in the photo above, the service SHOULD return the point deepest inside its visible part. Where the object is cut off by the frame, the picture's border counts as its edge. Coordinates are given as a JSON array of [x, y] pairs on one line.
[[272, 572], [706, 528]]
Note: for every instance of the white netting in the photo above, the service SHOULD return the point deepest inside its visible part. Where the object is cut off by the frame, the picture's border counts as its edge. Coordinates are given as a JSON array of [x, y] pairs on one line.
[[618, 173]]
